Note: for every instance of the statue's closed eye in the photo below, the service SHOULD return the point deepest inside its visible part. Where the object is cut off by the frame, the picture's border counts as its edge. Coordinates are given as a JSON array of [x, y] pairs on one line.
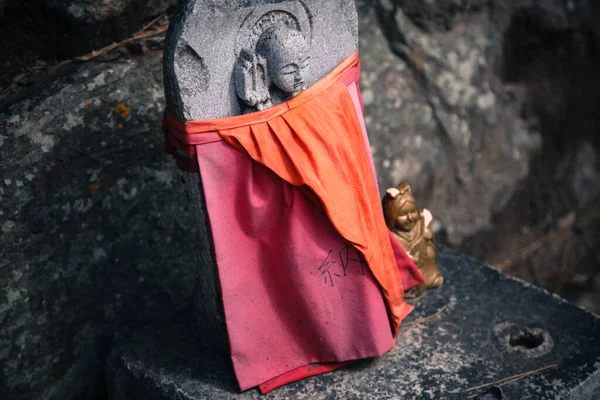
[[289, 69], [305, 63]]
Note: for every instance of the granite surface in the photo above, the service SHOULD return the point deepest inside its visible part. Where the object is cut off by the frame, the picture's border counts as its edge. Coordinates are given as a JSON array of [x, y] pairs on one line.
[[90, 219], [490, 327], [205, 39]]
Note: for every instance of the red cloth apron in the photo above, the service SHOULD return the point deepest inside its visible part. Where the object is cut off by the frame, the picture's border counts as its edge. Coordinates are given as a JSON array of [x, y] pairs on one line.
[[310, 275]]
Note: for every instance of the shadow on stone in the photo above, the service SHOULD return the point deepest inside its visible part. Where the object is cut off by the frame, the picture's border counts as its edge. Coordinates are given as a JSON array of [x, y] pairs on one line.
[[493, 393], [167, 351]]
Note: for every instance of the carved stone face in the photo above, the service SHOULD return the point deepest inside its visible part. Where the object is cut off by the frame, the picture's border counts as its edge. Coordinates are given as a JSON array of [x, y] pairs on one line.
[[407, 217], [286, 54]]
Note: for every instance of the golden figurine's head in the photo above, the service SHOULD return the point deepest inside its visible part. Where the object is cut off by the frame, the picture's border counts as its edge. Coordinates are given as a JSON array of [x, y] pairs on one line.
[[400, 208]]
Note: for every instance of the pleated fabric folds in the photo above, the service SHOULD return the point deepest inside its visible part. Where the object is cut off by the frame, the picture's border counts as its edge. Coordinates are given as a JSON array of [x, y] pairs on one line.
[[309, 272]]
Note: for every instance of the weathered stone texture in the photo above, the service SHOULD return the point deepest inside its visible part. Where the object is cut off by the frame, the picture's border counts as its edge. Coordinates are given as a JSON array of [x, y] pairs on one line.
[[95, 11], [203, 44], [442, 121], [48, 31], [94, 239]]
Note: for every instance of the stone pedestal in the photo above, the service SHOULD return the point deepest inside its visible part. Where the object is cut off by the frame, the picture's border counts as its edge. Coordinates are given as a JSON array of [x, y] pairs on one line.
[[480, 327], [202, 48]]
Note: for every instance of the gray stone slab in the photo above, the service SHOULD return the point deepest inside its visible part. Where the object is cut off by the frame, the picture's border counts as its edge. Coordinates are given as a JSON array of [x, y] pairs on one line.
[[463, 346]]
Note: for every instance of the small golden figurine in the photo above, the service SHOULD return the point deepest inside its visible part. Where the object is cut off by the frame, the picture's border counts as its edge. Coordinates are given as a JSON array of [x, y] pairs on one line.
[[412, 228]]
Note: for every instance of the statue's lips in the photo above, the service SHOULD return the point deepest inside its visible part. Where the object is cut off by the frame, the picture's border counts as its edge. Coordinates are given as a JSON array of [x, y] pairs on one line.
[[409, 225]]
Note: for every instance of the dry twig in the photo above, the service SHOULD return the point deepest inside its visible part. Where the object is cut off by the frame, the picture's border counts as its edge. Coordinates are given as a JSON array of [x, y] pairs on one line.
[[564, 267], [426, 319], [531, 248], [583, 221], [97, 53], [151, 23], [141, 34], [9, 89], [507, 380]]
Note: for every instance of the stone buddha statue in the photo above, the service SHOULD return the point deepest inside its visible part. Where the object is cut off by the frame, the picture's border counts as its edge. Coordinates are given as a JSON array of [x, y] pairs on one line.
[[412, 228], [275, 70]]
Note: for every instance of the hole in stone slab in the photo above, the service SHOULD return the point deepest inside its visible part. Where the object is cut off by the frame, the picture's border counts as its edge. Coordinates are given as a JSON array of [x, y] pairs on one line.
[[493, 393], [522, 340], [526, 339]]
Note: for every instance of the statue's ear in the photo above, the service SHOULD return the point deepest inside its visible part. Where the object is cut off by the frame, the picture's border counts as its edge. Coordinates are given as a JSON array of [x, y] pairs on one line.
[[392, 192], [404, 188], [261, 83], [251, 80], [262, 76]]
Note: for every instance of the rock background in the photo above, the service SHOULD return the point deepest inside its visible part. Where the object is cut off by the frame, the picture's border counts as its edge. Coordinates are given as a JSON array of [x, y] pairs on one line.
[[489, 109], [93, 226], [39, 32], [548, 233], [444, 123]]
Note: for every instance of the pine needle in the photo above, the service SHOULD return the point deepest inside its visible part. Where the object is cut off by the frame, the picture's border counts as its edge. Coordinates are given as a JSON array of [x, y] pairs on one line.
[[141, 34], [507, 380], [426, 319]]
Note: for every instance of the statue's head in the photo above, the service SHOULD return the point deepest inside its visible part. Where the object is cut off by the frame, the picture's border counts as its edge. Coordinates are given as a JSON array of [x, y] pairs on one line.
[[275, 70], [285, 53], [400, 208]]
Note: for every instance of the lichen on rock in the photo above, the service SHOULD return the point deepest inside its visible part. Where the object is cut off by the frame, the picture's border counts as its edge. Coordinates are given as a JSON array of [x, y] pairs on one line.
[[91, 226]]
